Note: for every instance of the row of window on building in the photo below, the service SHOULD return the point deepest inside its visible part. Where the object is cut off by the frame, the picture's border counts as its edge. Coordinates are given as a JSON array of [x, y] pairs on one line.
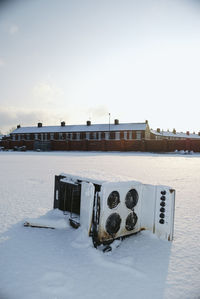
[[78, 136]]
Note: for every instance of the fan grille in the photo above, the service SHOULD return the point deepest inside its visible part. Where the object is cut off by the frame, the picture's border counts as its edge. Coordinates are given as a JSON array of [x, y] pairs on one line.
[[113, 199], [113, 224], [131, 221], [131, 199]]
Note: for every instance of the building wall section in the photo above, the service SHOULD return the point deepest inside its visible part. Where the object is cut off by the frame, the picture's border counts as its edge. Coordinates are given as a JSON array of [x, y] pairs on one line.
[[106, 145]]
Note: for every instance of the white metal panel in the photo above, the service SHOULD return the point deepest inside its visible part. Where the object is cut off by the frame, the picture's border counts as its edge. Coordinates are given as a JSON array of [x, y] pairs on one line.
[[87, 200], [123, 188], [165, 230], [148, 203]]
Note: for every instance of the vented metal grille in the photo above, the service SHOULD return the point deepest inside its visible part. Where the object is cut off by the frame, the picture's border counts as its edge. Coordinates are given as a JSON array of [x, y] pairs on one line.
[[131, 199], [131, 221], [113, 200], [113, 224]]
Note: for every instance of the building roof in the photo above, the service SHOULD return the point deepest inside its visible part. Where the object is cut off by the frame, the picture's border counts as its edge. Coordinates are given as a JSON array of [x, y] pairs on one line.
[[175, 135], [82, 128]]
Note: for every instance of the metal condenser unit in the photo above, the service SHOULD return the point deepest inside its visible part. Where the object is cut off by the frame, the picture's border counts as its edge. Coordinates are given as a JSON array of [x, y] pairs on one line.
[[111, 210]]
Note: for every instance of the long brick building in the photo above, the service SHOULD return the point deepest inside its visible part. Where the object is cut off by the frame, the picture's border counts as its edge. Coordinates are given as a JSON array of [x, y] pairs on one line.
[[116, 131], [101, 137]]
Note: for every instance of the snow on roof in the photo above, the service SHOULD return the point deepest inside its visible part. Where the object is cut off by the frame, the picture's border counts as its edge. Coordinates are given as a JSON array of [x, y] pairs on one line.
[[82, 128], [175, 135]]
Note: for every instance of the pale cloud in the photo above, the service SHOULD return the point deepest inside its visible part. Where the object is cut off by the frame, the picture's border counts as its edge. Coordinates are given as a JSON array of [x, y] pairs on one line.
[[2, 63], [98, 111], [13, 29], [12, 116], [47, 92]]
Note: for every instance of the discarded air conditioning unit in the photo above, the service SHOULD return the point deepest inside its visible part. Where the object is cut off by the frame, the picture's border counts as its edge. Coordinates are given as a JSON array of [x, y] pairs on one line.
[[111, 210]]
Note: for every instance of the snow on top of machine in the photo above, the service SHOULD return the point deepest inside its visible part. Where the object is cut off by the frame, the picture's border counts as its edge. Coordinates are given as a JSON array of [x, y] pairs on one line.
[[70, 178]]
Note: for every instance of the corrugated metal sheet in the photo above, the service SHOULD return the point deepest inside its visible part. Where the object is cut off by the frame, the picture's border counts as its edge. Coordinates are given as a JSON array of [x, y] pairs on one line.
[[82, 128]]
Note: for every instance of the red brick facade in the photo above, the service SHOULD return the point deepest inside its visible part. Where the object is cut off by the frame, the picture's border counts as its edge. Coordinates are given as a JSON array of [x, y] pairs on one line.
[[102, 137], [112, 145]]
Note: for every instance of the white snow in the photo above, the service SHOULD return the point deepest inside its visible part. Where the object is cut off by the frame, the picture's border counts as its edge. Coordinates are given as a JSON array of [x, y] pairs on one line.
[[62, 263], [53, 219]]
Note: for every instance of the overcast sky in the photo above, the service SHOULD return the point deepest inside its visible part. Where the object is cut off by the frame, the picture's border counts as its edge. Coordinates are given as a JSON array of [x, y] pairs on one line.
[[83, 59]]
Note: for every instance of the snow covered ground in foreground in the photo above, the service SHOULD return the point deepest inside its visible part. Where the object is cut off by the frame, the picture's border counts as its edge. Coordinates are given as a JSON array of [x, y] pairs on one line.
[[62, 263]]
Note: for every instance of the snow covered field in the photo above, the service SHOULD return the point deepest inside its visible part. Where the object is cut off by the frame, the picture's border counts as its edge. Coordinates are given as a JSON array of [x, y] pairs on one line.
[[58, 264]]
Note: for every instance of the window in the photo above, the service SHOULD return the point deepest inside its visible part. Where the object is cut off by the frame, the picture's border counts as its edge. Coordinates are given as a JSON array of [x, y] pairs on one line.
[[106, 135], [60, 136], [138, 135], [125, 135], [99, 135], [117, 135], [28, 136], [87, 135], [36, 136], [13, 137], [130, 135], [94, 135], [112, 135], [52, 136], [45, 137], [78, 136]]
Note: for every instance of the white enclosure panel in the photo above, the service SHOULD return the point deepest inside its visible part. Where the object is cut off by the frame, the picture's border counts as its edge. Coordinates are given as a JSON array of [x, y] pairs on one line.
[[164, 213], [121, 209], [148, 207], [87, 200]]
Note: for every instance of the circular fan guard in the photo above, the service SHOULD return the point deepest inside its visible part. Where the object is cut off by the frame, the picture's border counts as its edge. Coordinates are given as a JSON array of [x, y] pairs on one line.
[[113, 224], [113, 199], [131, 199], [131, 221]]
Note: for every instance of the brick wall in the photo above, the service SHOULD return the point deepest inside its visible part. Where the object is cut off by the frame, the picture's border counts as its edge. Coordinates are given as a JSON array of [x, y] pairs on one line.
[[112, 145]]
